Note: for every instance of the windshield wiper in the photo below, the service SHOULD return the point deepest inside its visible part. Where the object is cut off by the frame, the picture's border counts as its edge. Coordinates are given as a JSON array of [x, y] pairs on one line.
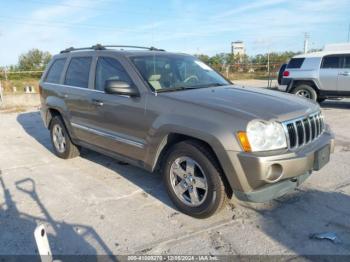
[[210, 85], [177, 88]]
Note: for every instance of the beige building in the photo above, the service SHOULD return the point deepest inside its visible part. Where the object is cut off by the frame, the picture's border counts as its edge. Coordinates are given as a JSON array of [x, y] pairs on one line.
[[238, 48]]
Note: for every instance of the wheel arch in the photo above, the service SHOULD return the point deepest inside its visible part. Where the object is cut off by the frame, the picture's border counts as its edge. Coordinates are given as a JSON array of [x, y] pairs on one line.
[[297, 82], [174, 138], [51, 113]]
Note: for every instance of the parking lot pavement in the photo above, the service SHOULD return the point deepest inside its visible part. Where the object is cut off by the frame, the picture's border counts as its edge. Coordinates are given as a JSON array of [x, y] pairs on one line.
[[93, 204]]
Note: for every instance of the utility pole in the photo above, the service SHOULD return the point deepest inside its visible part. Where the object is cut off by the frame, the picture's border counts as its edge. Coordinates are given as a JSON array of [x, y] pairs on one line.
[[349, 33], [306, 42], [269, 81], [1, 96]]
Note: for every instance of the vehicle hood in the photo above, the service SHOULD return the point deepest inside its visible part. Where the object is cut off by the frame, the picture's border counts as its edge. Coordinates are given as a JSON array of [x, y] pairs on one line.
[[248, 102]]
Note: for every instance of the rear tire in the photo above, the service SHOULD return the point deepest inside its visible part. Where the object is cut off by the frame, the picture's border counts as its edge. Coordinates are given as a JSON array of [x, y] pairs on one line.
[[305, 91], [193, 179], [60, 139]]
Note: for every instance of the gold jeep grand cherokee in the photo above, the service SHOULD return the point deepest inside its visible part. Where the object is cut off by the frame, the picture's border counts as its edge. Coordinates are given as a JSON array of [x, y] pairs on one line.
[[171, 112]]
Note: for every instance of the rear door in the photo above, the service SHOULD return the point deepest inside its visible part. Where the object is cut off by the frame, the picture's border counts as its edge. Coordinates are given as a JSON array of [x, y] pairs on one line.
[[329, 71], [344, 75], [77, 94], [119, 123]]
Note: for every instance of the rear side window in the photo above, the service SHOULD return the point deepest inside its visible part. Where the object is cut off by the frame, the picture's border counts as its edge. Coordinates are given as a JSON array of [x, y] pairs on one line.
[[109, 69], [55, 71], [78, 72], [347, 62], [331, 62], [295, 63]]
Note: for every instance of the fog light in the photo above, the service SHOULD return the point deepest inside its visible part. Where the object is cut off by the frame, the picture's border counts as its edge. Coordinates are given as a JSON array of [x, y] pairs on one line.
[[274, 173]]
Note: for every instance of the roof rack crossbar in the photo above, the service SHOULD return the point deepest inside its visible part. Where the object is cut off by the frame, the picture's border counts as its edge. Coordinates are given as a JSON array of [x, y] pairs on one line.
[[103, 47], [94, 47]]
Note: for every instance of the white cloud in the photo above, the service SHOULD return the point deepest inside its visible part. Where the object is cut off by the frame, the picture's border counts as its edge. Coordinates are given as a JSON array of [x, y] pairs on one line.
[[249, 7]]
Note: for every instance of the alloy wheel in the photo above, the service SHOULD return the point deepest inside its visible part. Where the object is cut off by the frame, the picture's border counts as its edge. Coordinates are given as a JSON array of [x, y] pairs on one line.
[[59, 139], [188, 181], [304, 93]]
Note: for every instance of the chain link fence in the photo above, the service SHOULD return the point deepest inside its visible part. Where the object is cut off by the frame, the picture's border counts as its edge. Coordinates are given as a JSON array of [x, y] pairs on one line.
[[18, 81]]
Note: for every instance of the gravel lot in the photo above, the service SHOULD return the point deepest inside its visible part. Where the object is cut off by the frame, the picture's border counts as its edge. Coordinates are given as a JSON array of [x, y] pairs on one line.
[[95, 205]]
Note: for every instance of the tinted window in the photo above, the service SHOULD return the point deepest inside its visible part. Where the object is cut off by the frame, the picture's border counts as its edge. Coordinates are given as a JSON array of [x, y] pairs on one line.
[[295, 62], [331, 62], [347, 62], [55, 71], [109, 69], [78, 72]]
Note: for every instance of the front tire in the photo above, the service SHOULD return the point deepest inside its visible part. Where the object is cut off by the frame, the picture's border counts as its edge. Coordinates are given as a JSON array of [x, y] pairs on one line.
[[61, 142], [305, 91], [193, 179]]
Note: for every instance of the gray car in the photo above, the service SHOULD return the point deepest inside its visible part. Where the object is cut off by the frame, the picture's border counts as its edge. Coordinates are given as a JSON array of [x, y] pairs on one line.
[[172, 113], [318, 75]]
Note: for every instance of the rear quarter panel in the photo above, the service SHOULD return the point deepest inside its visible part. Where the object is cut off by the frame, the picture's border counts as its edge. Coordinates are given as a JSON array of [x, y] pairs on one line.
[[310, 70]]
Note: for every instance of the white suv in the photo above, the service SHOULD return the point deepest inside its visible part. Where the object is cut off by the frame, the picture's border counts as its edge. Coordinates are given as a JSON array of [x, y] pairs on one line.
[[318, 75]]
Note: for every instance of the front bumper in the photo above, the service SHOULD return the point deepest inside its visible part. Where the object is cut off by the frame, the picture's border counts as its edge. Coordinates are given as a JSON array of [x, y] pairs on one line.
[[272, 191], [265, 177]]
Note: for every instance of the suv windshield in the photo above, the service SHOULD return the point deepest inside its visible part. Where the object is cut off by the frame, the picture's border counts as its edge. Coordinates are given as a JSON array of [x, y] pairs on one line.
[[176, 72]]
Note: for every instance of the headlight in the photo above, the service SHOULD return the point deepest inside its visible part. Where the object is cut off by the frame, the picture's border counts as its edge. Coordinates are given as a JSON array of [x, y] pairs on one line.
[[264, 136]]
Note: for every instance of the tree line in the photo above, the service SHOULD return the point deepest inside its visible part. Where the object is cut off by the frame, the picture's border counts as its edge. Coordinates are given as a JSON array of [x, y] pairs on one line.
[[33, 60], [36, 60]]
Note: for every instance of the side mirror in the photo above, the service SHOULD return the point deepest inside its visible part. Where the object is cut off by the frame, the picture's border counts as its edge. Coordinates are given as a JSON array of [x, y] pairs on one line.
[[120, 88]]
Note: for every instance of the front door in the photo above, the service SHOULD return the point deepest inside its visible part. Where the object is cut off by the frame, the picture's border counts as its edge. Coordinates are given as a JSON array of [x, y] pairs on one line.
[[329, 72], [344, 76], [119, 120]]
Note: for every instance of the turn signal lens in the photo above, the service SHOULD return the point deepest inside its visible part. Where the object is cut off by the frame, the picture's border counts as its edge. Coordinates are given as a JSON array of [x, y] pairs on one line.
[[243, 139]]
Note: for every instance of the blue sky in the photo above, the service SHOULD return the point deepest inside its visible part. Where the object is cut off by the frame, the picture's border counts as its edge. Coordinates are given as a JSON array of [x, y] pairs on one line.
[[191, 26]]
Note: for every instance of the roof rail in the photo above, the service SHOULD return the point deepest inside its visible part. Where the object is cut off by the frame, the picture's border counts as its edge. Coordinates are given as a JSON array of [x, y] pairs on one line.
[[152, 48], [104, 47]]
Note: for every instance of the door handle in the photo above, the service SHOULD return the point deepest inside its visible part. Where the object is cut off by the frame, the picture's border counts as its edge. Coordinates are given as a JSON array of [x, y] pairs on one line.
[[97, 102], [345, 74]]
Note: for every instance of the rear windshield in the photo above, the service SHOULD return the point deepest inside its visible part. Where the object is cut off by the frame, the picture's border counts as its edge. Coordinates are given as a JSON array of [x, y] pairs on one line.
[[295, 63]]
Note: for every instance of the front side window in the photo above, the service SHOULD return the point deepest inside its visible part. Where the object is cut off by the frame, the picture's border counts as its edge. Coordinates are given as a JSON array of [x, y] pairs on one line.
[[168, 72], [109, 69], [331, 62], [55, 71], [78, 72]]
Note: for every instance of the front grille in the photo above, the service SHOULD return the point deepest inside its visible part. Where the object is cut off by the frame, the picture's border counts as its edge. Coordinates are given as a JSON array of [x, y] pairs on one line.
[[304, 130]]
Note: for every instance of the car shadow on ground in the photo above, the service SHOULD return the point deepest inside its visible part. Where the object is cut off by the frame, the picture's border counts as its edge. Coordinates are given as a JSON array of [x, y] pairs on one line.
[[335, 104], [33, 126], [17, 230], [291, 221]]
